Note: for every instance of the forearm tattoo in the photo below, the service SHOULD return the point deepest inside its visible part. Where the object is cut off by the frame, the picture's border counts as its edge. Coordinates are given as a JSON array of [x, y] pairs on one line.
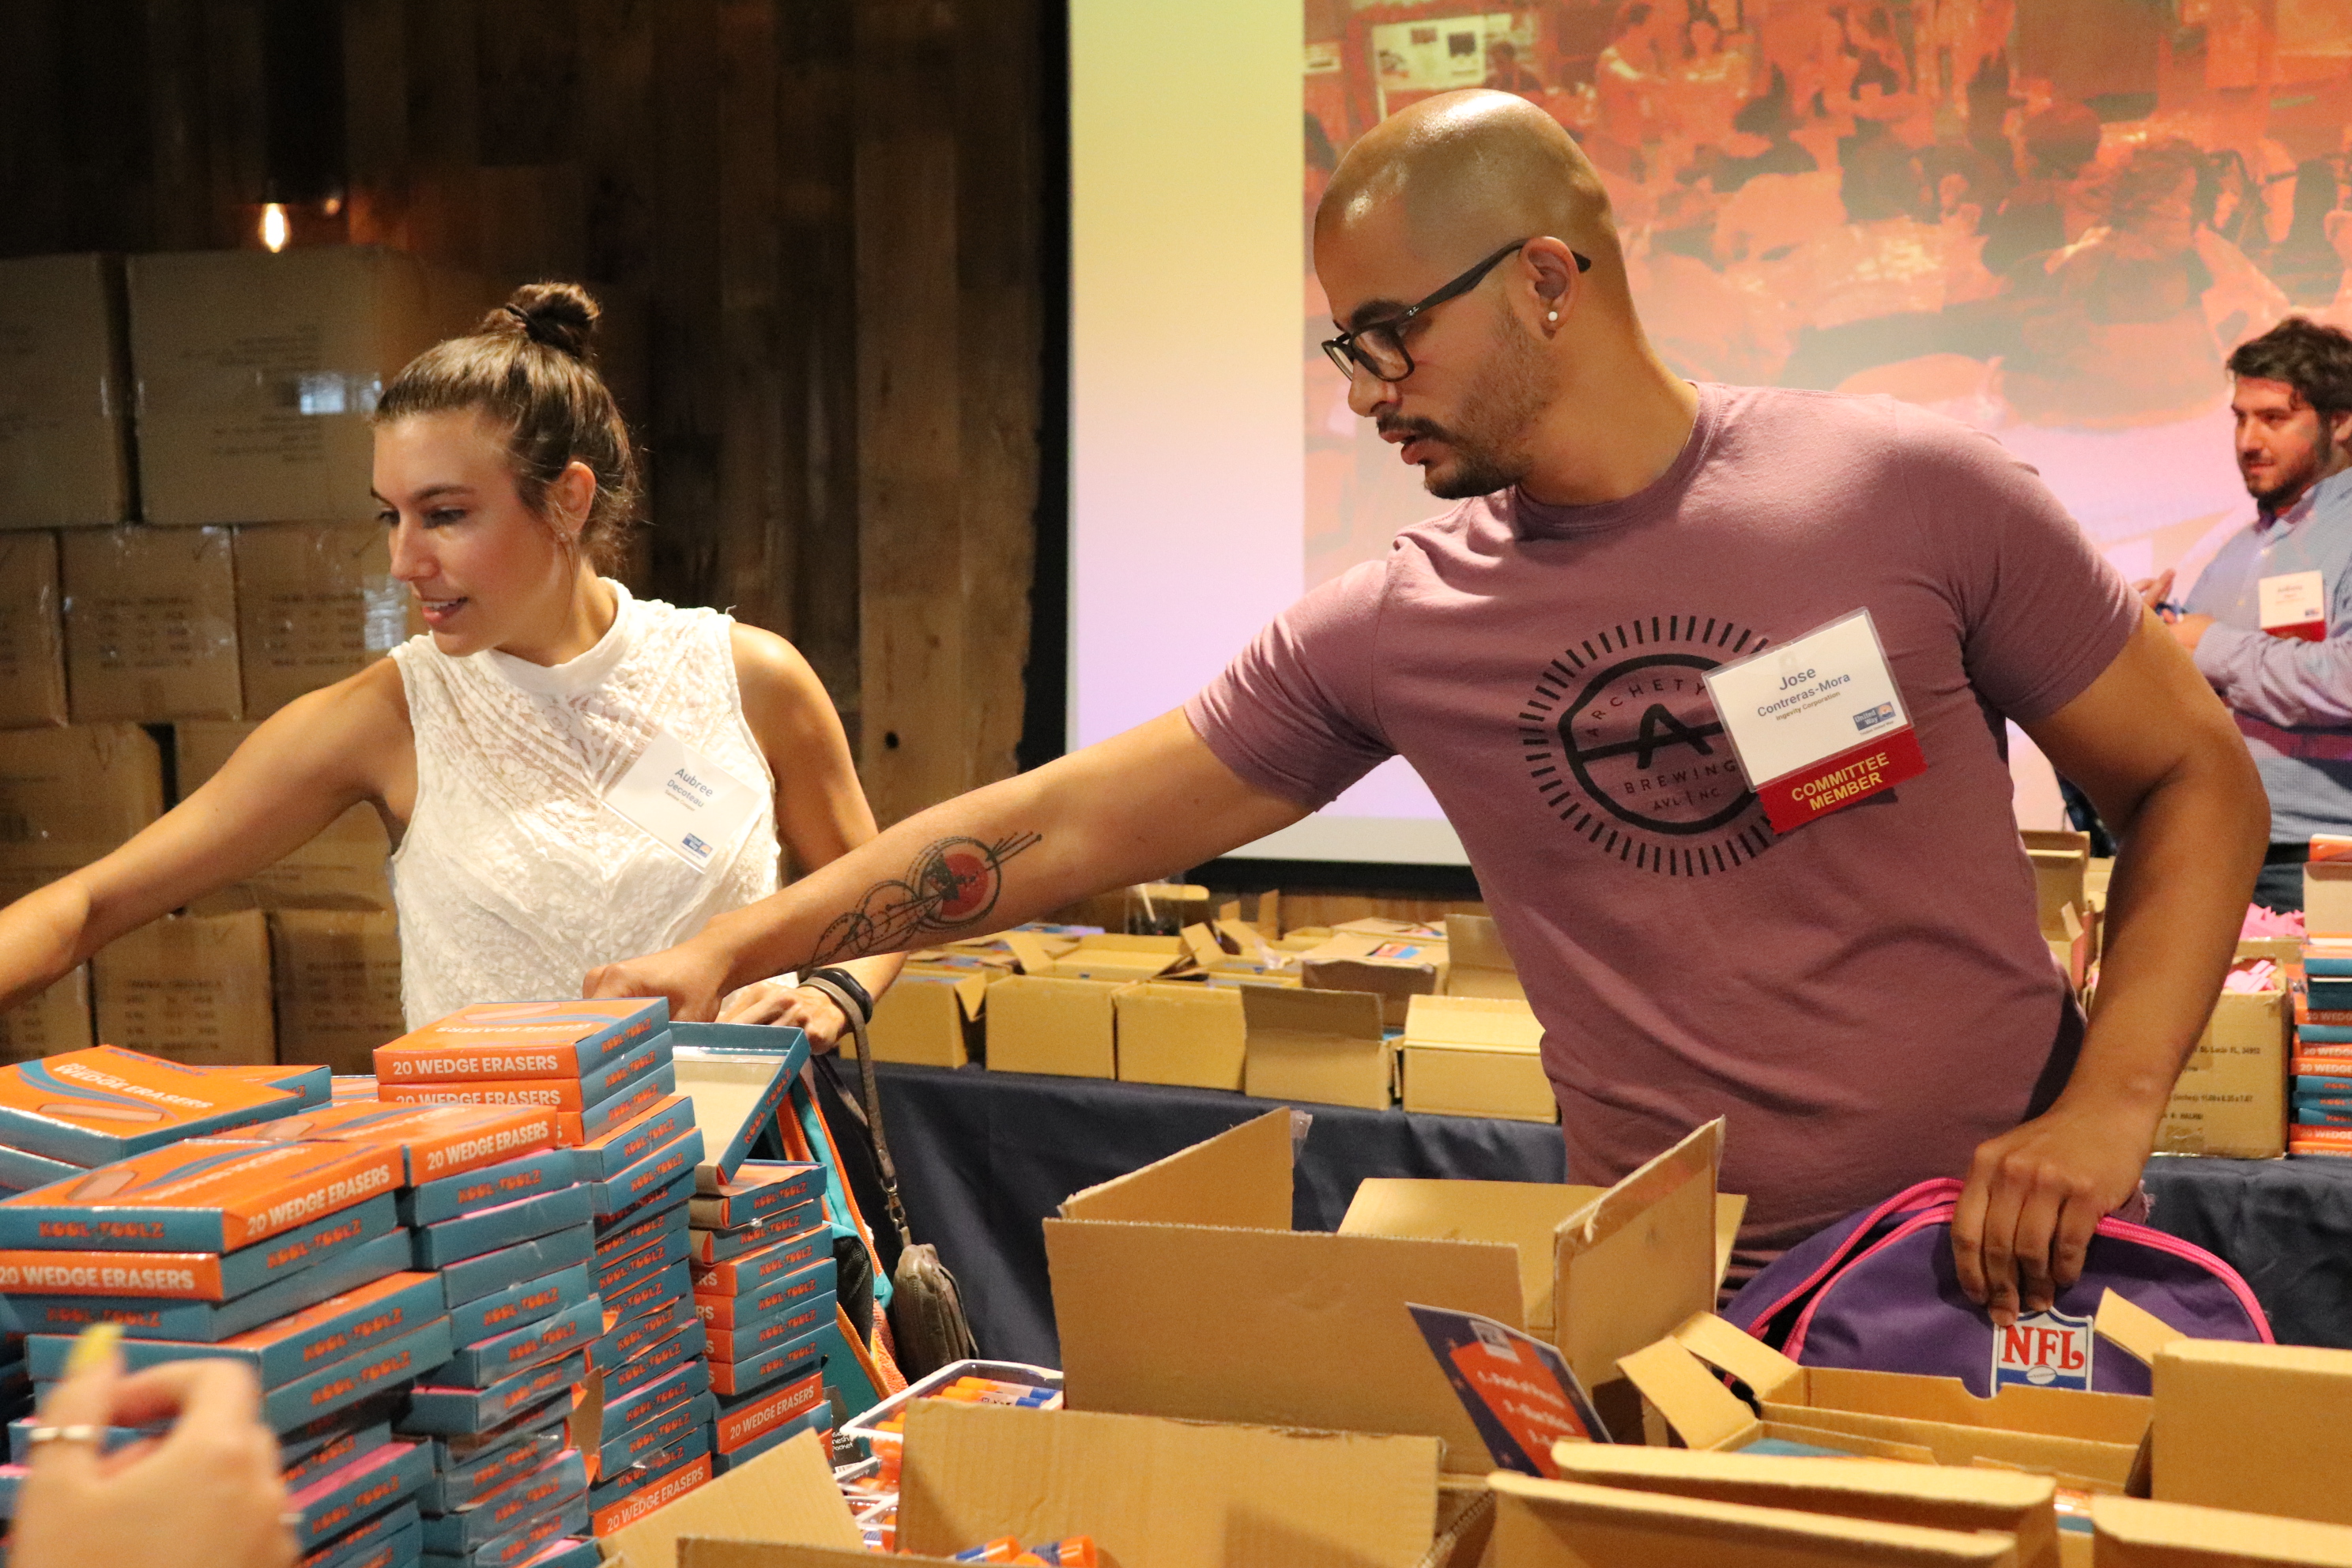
[[949, 890]]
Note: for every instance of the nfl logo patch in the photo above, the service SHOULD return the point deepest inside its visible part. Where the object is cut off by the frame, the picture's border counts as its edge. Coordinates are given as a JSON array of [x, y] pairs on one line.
[[2048, 1349]]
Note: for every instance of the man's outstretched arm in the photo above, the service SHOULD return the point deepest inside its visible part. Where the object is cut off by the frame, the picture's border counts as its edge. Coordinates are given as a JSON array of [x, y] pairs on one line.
[[1133, 808]]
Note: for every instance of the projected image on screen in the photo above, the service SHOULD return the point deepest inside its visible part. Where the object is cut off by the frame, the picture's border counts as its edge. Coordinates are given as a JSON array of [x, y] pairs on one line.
[[2049, 218]]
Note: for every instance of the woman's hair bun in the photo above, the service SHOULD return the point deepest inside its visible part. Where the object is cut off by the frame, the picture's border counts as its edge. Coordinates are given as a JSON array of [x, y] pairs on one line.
[[561, 315]]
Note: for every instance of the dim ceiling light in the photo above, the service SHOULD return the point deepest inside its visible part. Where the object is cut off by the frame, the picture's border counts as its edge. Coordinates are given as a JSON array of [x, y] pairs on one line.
[[273, 225]]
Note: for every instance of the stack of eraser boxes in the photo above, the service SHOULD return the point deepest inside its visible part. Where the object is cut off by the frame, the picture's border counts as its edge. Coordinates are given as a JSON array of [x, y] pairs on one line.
[[276, 1233], [764, 1283]]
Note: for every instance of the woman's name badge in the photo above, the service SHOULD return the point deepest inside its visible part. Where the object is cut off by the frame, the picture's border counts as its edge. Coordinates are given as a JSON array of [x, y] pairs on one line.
[[2294, 604], [1818, 722], [683, 802]]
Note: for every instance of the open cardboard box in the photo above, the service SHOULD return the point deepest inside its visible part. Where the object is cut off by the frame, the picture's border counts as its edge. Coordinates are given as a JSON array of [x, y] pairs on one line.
[[1112, 956], [1181, 1290], [1323, 1046], [1886, 1491], [1151, 1494], [1478, 964], [923, 1018], [2262, 1427], [2090, 1440], [1395, 964], [1474, 1055], [786, 1496], [2131, 1533], [1541, 1523]]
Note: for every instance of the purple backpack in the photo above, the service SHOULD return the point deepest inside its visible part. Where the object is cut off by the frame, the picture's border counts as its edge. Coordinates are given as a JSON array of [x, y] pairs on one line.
[[1878, 1292]]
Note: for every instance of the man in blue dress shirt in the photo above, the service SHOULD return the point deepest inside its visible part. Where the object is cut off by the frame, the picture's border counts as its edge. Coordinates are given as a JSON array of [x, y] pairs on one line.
[[2269, 620]]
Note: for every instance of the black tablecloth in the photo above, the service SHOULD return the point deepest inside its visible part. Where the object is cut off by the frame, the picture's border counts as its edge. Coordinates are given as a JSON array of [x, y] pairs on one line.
[[984, 1157]]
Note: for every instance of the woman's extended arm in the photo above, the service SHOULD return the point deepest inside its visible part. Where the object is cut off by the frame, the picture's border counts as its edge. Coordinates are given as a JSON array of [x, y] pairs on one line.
[[821, 813], [306, 765]]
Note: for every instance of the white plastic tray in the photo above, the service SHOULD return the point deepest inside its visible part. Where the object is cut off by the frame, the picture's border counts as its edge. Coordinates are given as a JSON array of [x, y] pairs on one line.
[[866, 1426]]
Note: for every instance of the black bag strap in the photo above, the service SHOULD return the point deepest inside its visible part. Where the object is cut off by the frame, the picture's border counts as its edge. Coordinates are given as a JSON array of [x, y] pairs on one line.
[[869, 1091]]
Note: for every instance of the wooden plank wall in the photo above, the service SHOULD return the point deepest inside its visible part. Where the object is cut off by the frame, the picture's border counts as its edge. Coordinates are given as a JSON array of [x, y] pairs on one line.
[[815, 223]]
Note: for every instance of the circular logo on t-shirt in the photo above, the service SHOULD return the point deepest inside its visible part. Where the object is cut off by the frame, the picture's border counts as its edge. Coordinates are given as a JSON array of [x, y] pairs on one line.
[[1624, 744]]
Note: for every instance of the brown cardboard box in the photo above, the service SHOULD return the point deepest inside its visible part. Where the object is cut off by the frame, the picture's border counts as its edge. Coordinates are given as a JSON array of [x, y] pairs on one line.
[[193, 988], [2327, 898], [32, 631], [2267, 1429], [1150, 1493], [2131, 1533], [256, 374], [1928, 1496], [1161, 907], [335, 978], [1392, 958], [1541, 1523], [1111, 956], [315, 603], [1326, 1047], [150, 625], [346, 867], [2062, 863], [1524, 1215], [63, 385], [1164, 1494], [784, 1498], [1474, 1055], [1049, 1025], [70, 795], [1310, 1328], [925, 1017], [2090, 1440], [2230, 1099], [1478, 964], [57, 1020], [1193, 1034]]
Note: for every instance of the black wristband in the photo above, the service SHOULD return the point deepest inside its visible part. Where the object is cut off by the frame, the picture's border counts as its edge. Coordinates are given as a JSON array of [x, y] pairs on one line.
[[848, 983]]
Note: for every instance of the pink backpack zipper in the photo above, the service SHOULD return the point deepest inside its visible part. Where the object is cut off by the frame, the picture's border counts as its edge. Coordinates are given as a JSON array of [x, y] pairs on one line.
[[2119, 1229]]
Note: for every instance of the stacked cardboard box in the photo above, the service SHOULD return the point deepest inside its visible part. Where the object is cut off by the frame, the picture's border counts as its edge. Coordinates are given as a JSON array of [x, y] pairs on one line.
[[2231, 1098], [64, 394], [32, 633]]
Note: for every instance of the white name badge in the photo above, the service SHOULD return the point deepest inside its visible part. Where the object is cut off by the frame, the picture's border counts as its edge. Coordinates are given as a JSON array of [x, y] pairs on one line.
[[686, 802], [1818, 722], [2294, 604]]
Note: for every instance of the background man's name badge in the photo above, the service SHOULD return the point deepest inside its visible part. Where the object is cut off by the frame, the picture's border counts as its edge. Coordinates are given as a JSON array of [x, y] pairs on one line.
[[2294, 604], [1818, 721]]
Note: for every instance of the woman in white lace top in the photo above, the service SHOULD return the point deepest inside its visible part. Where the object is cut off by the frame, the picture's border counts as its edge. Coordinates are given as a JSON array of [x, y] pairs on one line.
[[571, 775]]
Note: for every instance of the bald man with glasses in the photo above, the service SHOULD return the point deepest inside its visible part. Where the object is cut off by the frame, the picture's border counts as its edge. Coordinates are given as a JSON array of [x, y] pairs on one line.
[[1866, 996]]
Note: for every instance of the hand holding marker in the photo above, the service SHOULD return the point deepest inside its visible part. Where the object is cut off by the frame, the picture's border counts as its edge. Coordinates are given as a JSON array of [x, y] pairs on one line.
[[205, 1494]]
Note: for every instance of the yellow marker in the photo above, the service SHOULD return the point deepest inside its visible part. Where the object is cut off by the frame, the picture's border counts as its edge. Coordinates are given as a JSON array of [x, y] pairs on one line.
[[91, 1347]]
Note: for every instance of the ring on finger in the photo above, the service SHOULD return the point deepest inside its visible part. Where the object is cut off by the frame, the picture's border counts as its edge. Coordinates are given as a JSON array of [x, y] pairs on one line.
[[77, 1433]]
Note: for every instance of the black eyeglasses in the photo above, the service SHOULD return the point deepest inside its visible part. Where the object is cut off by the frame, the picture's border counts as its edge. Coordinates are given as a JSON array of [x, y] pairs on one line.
[[1380, 347]]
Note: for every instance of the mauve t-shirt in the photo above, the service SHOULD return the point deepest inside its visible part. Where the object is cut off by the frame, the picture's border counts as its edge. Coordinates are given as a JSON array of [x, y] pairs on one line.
[[1866, 998]]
